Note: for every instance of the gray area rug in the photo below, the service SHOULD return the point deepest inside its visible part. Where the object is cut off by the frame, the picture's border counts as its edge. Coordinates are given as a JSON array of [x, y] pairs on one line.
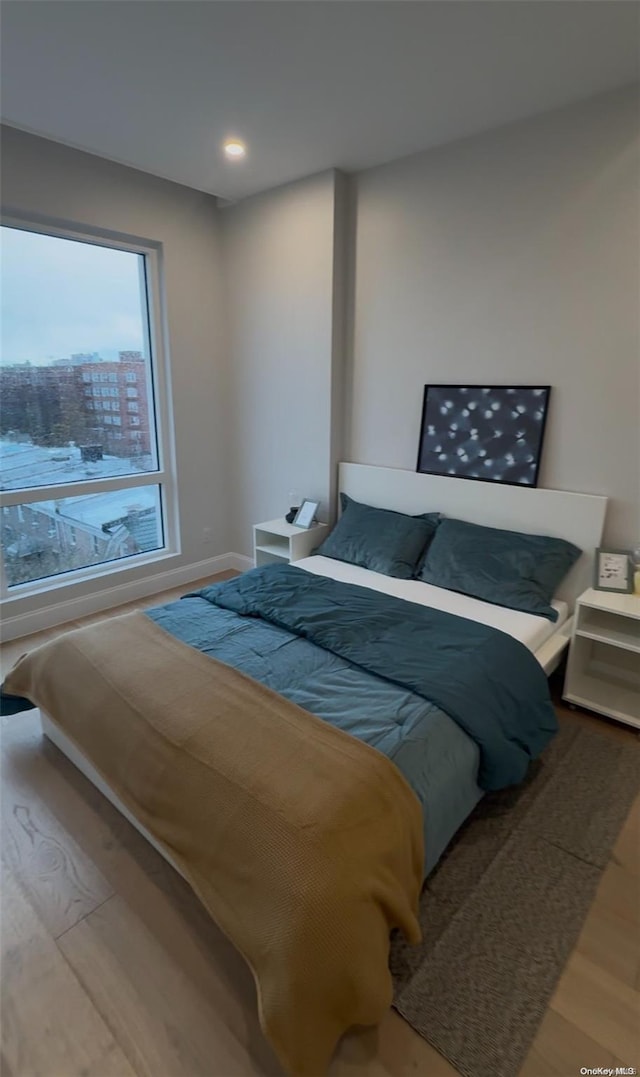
[[503, 910]]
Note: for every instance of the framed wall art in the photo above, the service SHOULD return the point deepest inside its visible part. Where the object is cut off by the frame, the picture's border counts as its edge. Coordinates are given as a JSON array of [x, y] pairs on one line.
[[493, 433]]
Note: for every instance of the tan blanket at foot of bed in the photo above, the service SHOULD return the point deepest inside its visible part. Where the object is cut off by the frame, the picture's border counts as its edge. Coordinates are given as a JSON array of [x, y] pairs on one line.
[[304, 844]]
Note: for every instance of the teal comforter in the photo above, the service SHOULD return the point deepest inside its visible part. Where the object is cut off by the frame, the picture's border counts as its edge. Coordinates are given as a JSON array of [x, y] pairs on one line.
[[243, 623], [489, 683]]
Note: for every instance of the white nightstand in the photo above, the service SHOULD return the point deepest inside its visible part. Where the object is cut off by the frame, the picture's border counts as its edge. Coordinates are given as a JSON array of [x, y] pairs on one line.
[[277, 540], [603, 670]]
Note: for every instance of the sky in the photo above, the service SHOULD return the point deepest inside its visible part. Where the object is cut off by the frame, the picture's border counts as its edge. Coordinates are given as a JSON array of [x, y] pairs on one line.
[[59, 296]]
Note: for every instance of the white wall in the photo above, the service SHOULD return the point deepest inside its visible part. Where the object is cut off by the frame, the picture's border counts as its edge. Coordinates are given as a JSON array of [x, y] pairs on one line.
[[509, 257], [282, 261], [52, 182]]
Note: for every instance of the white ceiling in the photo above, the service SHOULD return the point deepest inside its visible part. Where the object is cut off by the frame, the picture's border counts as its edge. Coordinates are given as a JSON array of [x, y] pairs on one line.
[[308, 84]]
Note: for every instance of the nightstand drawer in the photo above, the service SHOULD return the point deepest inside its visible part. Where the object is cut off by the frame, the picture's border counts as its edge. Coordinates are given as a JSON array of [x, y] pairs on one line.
[[609, 628]]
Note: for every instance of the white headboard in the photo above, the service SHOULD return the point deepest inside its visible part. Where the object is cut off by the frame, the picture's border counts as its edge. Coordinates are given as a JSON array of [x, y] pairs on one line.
[[579, 518]]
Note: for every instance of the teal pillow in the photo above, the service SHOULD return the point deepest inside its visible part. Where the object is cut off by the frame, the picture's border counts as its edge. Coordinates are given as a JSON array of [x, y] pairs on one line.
[[378, 539], [507, 568]]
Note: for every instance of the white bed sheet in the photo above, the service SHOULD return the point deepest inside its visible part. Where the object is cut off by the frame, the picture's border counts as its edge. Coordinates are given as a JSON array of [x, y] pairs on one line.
[[529, 628]]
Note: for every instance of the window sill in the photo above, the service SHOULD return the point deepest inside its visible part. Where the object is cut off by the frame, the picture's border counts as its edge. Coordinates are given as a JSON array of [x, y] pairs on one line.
[[105, 576]]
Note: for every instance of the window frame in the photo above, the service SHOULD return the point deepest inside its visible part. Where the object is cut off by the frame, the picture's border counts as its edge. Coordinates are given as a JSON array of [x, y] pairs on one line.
[[157, 372]]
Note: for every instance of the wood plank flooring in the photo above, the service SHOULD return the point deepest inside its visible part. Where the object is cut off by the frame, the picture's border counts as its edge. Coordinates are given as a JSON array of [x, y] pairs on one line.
[[111, 968]]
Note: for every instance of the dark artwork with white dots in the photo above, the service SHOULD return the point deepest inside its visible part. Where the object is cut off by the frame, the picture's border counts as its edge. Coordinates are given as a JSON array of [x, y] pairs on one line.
[[491, 432]]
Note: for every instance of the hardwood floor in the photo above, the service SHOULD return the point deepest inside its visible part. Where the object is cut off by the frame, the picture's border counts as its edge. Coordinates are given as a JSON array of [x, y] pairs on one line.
[[111, 968]]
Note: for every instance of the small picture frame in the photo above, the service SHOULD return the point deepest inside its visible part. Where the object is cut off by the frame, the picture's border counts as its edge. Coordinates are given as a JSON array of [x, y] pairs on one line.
[[613, 571], [306, 514]]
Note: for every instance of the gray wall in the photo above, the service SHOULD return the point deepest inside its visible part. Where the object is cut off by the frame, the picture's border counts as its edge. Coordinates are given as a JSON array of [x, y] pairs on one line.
[[509, 257], [56, 183], [282, 261]]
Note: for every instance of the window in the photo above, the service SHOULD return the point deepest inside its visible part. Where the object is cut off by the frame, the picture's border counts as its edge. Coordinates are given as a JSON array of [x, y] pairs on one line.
[[131, 375], [132, 406], [90, 302], [132, 392], [134, 420]]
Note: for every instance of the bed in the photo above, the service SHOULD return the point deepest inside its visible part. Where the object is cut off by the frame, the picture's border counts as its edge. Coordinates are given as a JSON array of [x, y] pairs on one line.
[[440, 759]]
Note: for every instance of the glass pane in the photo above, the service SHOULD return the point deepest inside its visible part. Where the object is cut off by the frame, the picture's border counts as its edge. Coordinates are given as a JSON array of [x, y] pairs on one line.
[[47, 538], [75, 360]]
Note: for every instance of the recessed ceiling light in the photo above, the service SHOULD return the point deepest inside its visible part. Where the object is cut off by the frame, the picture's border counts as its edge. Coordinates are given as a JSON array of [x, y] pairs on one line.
[[234, 149]]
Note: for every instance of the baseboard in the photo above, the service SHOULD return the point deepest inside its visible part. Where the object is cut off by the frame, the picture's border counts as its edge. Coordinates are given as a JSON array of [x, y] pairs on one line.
[[24, 624], [241, 563]]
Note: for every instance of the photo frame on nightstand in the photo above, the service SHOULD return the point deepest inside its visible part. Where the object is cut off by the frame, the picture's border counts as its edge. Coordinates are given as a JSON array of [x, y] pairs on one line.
[[613, 571], [306, 514]]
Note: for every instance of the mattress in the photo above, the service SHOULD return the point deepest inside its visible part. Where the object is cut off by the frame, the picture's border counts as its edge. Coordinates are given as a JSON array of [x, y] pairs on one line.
[[528, 628]]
